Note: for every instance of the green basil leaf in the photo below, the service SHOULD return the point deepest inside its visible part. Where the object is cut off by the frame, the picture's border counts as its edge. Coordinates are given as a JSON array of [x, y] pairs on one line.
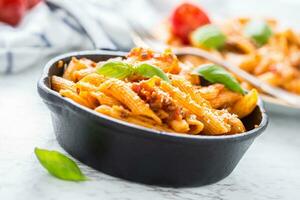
[[148, 71], [208, 36], [59, 165], [259, 31], [115, 69], [216, 74]]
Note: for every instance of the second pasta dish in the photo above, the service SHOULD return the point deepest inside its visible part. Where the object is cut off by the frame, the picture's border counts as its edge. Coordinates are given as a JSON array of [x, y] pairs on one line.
[[260, 46], [158, 91]]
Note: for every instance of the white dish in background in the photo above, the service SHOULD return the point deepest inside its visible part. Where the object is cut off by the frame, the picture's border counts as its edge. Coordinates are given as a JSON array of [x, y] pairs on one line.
[[288, 15], [285, 11], [275, 106]]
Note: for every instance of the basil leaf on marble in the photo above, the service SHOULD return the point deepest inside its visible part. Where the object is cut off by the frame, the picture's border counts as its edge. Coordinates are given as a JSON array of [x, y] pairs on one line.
[[59, 165], [216, 74]]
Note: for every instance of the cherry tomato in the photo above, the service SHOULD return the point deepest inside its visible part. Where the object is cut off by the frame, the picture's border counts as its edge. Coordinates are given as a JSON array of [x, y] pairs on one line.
[[12, 11], [32, 3], [186, 18]]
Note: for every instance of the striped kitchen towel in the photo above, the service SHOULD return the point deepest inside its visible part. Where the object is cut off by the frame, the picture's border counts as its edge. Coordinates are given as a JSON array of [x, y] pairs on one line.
[[47, 30]]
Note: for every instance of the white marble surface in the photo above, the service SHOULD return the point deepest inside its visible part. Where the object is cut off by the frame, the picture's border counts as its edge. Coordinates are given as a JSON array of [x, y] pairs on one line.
[[269, 170]]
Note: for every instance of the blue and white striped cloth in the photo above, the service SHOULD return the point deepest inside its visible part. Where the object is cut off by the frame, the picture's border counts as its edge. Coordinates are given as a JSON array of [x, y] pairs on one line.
[[47, 30], [58, 26]]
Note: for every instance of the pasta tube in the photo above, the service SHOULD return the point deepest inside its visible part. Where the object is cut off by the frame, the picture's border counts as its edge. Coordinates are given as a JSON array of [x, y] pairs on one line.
[[75, 97], [212, 123], [123, 93], [58, 83], [235, 123], [246, 105], [180, 126], [104, 99], [94, 79], [195, 125], [78, 75], [73, 66], [187, 88], [122, 114], [225, 98], [92, 101]]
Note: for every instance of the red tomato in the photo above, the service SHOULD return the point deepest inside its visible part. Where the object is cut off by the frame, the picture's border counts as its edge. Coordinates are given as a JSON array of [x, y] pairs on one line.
[[12, 11], [186, 18], [32, 3]]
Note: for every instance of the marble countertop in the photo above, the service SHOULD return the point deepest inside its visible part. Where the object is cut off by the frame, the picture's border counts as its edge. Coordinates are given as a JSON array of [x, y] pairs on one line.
[[269, 170]]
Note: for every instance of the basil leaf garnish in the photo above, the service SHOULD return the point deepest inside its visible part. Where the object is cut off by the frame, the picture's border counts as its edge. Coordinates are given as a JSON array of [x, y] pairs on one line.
[[146, 70], [259, 31], [115, 69], [208, 36], [121, 70], [59, 165], [216, 74]]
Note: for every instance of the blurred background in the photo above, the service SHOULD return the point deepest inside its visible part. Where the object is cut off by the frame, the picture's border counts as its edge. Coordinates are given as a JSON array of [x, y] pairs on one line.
[[31, 31]]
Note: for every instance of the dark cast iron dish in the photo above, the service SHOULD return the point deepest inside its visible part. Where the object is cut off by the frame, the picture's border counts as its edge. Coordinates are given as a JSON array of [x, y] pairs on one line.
[[137, 153]]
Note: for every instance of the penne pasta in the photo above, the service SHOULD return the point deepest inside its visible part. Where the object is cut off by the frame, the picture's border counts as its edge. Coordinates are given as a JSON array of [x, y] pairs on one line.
[[94, 79], [104, 99], [58, 83], [187, 88], [78, 75], [246, 105], [166, 102], [92, 101], [224, 99], [125, 115], [180, 126], [211, 91], [293, 85], [75, 97], [73, 66], [122, 92], [212, 124], [236, 125], [195, 126], [271, 78], [273, 55], [84, 86]]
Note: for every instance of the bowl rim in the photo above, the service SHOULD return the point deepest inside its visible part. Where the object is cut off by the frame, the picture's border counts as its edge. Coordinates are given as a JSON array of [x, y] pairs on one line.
[[95, 115]]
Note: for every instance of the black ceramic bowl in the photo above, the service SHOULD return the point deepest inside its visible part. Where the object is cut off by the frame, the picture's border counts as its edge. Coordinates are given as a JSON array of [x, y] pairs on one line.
[[141, 154]]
